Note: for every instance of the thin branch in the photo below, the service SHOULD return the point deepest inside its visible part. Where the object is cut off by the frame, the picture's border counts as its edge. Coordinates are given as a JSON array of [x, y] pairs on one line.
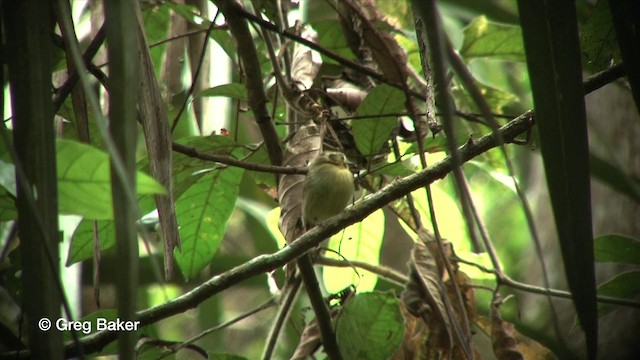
[[286, 304], [92, 50], [180, 36], [227, 160], [194, 82], [509, 282], [604, 77], [177, 347], [384, 272]]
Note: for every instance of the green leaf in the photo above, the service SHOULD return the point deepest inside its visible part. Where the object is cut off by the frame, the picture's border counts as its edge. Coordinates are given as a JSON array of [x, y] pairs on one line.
[[483, 38], [156, 24], [261, 156], [8, 209], [331, 37], [370, 327], [622, 286], [82, 241], [84, 181], [188, 12], [186, 172], [626, 21], [371, 134], [617, 248], [203, 211], [398, 169], [598, 39], [359, 242], [550, 31], [225, 41], [234, 91]]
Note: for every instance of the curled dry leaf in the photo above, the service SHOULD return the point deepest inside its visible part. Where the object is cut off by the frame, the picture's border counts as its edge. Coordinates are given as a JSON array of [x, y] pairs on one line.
[[302, 148], [423, 297], [504, 344], [310, 342], [360, 28], [305, 63], [348, 97], [415, 335]]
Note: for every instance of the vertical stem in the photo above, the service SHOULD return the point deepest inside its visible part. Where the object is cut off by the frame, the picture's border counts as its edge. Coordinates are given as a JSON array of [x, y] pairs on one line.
[[28, 41], [124, 75]]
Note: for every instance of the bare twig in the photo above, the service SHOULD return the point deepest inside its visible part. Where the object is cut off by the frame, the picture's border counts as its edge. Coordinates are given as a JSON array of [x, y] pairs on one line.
[[191, 152]]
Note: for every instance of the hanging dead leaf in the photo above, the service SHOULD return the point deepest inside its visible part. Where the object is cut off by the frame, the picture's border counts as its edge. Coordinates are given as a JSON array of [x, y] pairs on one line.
[[423, 297], [361, 24], [302, 148], [305, 63], [347, 96], [505, 346]]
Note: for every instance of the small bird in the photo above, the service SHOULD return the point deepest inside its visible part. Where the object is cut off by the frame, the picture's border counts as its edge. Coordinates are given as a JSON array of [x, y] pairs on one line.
[[328, 188]]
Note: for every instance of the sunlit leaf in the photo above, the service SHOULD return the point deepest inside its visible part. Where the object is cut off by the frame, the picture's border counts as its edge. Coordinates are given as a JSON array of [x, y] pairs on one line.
[[483, 38], [203, 212], [234, 91], [371, 134], [82, 241], [359, 242], [330, 37], [84, 181]]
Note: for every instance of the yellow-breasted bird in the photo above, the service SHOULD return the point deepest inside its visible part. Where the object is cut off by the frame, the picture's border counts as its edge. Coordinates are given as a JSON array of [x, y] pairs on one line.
[[328, 188]]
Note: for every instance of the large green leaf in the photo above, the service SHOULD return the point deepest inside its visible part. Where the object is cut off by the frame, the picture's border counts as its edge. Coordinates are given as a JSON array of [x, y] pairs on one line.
[[550, 33], [598, 39], [331, 37], [372, 133], [483, 38], [82, 241], [84, 181], [186, 172], [203, 211], [206, 194], [370, 327]]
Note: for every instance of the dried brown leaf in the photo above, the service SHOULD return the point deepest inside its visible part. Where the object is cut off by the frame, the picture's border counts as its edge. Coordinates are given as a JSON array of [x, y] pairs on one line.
[[305, 63], [505, 346], [429, 275], [155, 124], [360, 21], [310, 341], [304, 146], [348, 97]]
